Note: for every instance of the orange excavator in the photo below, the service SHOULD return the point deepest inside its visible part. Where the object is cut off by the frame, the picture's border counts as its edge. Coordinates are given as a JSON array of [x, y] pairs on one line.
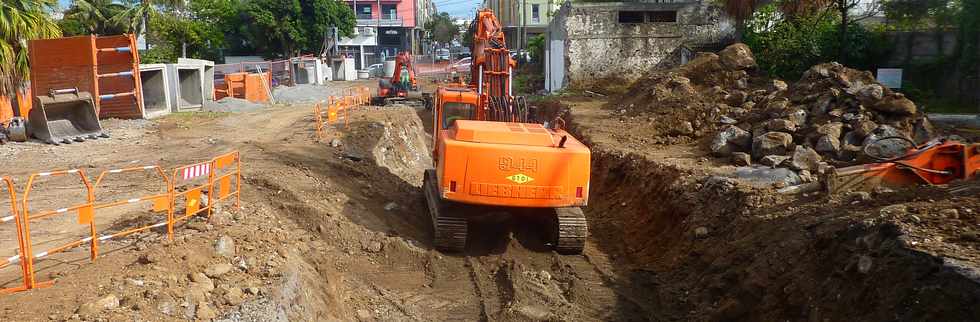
[[402, 87], [933, 163], [489, 154]]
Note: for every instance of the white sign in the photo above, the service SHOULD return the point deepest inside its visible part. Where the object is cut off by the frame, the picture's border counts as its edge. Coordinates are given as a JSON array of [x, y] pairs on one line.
[[890, 77]]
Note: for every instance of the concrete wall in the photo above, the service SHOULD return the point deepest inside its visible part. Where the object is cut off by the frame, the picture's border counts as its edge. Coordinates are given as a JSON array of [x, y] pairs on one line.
[[600, 48]]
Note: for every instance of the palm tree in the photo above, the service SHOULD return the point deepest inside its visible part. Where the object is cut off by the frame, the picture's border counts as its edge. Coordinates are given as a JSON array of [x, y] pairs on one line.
[[136, 18], [21, 21], [96, 16]]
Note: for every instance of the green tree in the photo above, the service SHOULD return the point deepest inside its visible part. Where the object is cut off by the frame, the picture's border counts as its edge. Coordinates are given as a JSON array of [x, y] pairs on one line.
[[288, 27], [93, 17], [441, 28], [21, 21]]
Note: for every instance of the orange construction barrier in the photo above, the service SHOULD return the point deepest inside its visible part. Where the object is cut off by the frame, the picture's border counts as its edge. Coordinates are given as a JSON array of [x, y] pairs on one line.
[[161, 202], [318, 121], [86, 214], [14, 216], [225, 168], [191, 180]]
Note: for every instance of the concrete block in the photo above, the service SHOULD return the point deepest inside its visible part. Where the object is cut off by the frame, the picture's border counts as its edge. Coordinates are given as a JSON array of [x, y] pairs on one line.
[[207, 72], [156, 90]]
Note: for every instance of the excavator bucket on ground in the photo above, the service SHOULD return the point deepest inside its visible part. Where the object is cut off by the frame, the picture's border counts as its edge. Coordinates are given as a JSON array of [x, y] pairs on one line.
[[65, 116]]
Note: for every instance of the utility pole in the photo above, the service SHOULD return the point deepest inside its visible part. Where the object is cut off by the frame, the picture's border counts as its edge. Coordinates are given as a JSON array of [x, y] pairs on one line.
[[523, 26]]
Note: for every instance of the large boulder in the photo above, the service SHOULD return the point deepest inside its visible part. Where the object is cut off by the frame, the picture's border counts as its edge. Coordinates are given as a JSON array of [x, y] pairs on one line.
[[730, 139], [737, 56], [828, 144], [771, 143], [804, 158], [895, 103], [878, 145]]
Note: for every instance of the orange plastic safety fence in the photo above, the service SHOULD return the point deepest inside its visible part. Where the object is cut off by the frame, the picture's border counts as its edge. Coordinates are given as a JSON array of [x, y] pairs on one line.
[[225, 168], [318, 121], [187, 178], [86, 214], [220, 173], [160, 201], [14, 216]]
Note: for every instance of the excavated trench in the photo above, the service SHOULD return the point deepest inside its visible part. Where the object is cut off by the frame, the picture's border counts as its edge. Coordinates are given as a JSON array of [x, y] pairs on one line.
[[714, 249]]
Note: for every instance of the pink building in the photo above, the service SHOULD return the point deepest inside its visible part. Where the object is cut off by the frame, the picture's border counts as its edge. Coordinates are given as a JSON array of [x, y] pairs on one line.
[[385, 28]]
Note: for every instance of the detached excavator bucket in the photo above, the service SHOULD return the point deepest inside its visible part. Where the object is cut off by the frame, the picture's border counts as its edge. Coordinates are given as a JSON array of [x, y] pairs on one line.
[[65, 116]]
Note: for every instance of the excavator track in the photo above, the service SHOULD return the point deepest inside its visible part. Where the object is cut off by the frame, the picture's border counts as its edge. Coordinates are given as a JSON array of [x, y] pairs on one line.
[[571, 229], [448, 222]]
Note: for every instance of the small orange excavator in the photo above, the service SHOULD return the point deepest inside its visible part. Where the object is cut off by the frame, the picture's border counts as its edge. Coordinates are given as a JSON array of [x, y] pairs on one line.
[[490, 155], [402, 87]]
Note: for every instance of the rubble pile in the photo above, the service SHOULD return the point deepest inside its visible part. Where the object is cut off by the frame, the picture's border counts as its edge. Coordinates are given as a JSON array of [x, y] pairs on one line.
[[824, 119]]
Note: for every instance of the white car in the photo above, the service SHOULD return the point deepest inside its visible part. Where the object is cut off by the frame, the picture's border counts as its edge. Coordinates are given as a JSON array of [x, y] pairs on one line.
[[376, 70], [463, 64]]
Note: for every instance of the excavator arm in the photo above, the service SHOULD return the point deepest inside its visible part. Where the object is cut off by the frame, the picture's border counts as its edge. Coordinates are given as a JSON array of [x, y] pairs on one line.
[[491, 73]]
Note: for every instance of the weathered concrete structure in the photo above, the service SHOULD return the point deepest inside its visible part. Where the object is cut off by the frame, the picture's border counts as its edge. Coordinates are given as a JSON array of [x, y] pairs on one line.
[[156, 90], [620, 41]]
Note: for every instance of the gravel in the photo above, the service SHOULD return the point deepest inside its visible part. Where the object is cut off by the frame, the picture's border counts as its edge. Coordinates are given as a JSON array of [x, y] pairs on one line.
[[305, 93], [232, 104]]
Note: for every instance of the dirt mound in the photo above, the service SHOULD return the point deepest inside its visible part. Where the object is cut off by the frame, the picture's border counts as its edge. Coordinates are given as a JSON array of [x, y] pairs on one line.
[[826, 118]]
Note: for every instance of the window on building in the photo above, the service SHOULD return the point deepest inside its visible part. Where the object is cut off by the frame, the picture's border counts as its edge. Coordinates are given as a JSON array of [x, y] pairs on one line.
[[535, 13], [662, 16], [631, 16], [363, 11], [658, 16], [389, 11]]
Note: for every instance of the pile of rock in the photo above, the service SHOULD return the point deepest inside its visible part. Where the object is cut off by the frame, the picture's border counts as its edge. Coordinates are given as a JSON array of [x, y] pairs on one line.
[[824, 119], [827, 118]]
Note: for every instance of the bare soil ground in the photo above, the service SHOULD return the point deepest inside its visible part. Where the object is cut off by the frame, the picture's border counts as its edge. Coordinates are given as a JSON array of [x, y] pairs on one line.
[[337, 230], [324, 233]]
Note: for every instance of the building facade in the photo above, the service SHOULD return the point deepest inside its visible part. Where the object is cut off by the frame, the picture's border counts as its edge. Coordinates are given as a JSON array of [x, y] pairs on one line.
[[620, 41], [523, 19], [385, 28]]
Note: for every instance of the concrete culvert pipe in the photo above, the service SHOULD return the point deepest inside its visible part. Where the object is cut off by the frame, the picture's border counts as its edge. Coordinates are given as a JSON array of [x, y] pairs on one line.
[[156, 101], [187, 87]]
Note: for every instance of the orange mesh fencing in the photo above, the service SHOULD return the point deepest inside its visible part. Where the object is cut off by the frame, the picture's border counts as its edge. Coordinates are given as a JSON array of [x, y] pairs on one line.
[[14, 216], [160, 201], [85, 212]]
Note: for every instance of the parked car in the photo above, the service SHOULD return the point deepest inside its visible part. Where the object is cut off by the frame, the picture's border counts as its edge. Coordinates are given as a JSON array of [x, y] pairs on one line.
[[463, 64], [376, 70], [442, 54]]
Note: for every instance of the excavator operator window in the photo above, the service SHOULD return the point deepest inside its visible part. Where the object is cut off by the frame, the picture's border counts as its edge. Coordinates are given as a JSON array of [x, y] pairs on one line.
[[452, 111]]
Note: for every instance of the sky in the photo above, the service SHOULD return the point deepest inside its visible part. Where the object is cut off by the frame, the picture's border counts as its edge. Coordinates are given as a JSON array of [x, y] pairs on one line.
[[458, 8]]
